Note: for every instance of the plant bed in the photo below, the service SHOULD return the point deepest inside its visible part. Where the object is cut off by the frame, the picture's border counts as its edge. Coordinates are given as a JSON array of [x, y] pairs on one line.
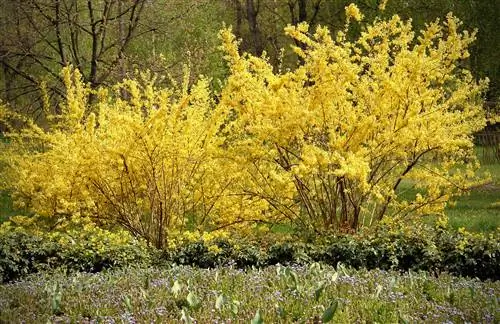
[[275, 294]]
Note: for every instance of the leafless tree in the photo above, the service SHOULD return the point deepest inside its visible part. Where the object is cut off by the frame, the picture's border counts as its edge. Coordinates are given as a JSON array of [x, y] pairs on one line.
[[42, 36]]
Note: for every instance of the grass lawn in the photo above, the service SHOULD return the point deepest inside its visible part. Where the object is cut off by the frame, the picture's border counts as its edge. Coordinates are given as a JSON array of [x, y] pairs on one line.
[[6, 208], [274, 295], [480, 209]]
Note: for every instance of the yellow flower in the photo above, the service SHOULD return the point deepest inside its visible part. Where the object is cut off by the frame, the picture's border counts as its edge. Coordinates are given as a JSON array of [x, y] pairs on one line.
[[214, 248], [382, 5], [352, 11]]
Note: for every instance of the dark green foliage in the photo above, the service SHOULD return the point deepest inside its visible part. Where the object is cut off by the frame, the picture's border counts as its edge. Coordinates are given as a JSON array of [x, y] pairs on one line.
[[419, 249], [22, 253]]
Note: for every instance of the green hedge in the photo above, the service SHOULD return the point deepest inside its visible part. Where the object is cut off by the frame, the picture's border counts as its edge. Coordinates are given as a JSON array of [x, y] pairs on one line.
[[87, 248], [429, 249], [417, 248]]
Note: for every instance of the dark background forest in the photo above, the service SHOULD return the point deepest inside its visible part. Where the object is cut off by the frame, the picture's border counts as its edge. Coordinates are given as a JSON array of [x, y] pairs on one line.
[[108, 40]]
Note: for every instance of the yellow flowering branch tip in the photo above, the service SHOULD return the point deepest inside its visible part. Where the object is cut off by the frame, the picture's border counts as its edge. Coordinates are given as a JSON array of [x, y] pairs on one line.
[[352, 11]]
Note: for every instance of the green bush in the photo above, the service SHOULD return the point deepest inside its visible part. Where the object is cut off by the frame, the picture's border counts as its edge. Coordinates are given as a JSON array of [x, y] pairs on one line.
[[22, 253], [82, 246], [417, 247], [75, 246]]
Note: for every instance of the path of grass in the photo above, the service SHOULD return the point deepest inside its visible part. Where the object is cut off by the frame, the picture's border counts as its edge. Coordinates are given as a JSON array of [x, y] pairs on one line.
[[480, 209]]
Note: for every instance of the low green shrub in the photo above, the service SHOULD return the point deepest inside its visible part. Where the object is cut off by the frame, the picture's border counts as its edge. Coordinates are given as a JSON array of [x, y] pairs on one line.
[[418, 247], [76, 245], [79, 245]]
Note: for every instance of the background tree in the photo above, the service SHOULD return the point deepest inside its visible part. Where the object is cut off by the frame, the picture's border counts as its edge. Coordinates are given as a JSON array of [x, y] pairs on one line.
[[108, 39], [93, 36], [105, 40]]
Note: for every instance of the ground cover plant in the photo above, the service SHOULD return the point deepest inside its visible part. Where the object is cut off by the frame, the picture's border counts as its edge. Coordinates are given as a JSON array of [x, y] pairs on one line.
[[275, 294]]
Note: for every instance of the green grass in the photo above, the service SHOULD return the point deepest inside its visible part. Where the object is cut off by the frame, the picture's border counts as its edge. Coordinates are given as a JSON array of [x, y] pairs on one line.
[[480, 209], [278, 294], [476, 211], [6, 207]]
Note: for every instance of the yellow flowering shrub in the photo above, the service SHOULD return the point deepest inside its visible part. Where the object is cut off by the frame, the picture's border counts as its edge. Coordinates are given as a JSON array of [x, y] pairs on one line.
[[144, 160], [330, 145], [333, 144]]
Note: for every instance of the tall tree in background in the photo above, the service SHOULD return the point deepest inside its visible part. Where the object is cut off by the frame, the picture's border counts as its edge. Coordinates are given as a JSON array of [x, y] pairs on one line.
[[104, 39], [107, 39], [46, 35]]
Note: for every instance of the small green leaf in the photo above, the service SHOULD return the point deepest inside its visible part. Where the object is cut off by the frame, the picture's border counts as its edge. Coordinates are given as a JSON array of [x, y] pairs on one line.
[[281, 312], [319, 291], [402, 320], [257, 319], [176, 288], [144, 294], [220, 302], [315, 268], [335, 277], [330, 312], [55, 302], [378, 290], [295, 278], [192, 300], [235, 307], [185, 317], [128, 304]]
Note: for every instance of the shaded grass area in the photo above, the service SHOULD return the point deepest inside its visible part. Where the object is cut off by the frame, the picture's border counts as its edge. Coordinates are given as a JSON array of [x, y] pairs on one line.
[[480, 209], [6, 207], [277, 294]]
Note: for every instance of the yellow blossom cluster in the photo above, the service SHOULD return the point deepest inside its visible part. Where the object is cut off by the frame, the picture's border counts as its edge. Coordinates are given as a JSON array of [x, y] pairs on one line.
[[378, 126], [352, 11], [337, 142]]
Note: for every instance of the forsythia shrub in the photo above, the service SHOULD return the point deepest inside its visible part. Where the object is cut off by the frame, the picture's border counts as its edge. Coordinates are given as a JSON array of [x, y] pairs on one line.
[[146, 162], [331, 144], [326, 146]]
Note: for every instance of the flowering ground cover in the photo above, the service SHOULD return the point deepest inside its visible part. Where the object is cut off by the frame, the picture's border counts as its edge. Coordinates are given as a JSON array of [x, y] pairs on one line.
[[275, 294]]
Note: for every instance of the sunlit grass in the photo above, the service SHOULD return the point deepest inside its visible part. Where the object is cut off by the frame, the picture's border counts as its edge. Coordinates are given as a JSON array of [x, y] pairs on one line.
[[479, 210]]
